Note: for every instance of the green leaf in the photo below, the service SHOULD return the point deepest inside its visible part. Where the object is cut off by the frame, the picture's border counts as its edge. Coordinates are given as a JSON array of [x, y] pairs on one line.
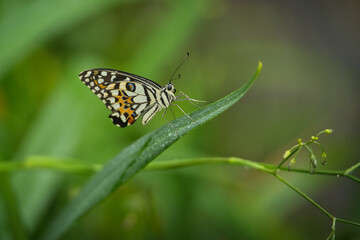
[[135, 157]]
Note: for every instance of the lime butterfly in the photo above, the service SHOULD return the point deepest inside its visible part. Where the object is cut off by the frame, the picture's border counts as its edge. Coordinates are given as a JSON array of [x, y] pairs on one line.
[[130, 96]]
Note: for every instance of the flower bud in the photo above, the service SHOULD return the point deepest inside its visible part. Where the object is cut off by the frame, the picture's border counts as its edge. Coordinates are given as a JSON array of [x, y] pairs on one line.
[[286, 154], [313, 160], [328, 131], [291, 163], [323, 158]]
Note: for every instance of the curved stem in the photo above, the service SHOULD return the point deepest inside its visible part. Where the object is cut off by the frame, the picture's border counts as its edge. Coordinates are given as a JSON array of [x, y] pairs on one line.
[[304, 196]]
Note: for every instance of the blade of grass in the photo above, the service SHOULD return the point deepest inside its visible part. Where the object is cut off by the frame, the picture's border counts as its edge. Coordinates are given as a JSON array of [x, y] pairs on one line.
[[135, 157]]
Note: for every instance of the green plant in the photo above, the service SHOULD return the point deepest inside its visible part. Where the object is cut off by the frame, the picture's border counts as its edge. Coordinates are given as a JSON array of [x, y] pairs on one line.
[[135, 157]]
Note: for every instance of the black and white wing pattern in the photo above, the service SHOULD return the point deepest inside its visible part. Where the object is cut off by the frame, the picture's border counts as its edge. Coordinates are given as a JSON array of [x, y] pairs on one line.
[[128, 96]]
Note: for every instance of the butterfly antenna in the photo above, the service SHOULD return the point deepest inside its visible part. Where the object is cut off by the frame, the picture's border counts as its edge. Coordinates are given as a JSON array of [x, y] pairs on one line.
[[175, 78], [183, 61]]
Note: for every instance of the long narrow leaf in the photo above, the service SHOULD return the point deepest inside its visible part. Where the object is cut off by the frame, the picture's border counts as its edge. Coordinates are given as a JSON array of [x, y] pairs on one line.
[[135, 157]]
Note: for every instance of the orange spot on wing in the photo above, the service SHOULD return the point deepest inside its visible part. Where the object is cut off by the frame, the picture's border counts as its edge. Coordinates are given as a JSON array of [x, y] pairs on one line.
[[119, 99], [100, 85], [124, 102], [127, 110], [131, 120]]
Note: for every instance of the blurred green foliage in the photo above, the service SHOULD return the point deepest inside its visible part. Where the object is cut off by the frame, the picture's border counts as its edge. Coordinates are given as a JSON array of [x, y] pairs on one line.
[[309, 82]]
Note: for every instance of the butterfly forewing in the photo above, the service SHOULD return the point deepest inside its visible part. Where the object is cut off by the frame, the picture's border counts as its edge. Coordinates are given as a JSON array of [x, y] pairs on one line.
[[128, 96]]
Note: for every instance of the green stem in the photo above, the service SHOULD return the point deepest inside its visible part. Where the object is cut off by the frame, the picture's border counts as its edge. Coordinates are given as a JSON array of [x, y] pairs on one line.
[[76, 166], [269, 168], [297, 148], [352, 177], [348, 222], [321, 147], [351, 169], [333, 228], [60, 164], [177, 163], [304, 196], [293, 150]]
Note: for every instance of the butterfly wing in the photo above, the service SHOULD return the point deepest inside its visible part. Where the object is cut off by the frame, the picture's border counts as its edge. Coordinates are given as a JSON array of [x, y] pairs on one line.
[[128, 96]]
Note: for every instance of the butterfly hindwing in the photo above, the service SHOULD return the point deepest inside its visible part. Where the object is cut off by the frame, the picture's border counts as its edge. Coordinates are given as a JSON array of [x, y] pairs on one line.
[[128, 96], [123, 120]]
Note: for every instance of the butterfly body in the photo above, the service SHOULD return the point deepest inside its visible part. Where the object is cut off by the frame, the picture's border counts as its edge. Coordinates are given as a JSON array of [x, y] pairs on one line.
[[127, 95]]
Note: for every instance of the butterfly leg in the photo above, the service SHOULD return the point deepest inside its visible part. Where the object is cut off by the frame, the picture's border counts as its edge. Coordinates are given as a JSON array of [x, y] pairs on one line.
[[164, 112], [172, 112], [187, 98], [174, 104], [172, 125], [190, 99]]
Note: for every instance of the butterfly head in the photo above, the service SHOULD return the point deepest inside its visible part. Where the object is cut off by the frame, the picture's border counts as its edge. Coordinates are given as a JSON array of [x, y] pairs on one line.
[[170, 90]]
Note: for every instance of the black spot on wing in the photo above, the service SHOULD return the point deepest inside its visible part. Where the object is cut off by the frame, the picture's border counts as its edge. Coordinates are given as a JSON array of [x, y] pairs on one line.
[[115, 117], [130, 87]]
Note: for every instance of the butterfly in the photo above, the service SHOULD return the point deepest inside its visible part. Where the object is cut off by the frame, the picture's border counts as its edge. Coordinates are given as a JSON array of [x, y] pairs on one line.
[[130, 96]]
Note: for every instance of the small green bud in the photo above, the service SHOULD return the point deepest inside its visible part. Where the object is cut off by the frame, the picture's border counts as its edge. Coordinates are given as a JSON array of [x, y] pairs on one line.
[[286, 154], [291, 163], [314, 138], [328, 131], [313, 160], [323, 158], [300, 141]]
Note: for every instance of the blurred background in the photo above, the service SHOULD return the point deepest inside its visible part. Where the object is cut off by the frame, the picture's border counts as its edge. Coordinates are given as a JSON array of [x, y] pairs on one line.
[[309, 82]]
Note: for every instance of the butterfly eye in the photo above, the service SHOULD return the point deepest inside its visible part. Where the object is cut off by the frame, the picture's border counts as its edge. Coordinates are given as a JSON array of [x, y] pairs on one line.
[[169, 87]]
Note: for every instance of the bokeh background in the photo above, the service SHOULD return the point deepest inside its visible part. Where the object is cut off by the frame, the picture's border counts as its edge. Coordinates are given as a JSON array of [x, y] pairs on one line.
[[310, 81]]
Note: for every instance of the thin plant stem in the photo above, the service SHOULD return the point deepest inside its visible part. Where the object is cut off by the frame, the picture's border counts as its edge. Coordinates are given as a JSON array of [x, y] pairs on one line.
[[352, 168], [348, 222], [333, 228], [59, 164], [293, 150], [304, 196]]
